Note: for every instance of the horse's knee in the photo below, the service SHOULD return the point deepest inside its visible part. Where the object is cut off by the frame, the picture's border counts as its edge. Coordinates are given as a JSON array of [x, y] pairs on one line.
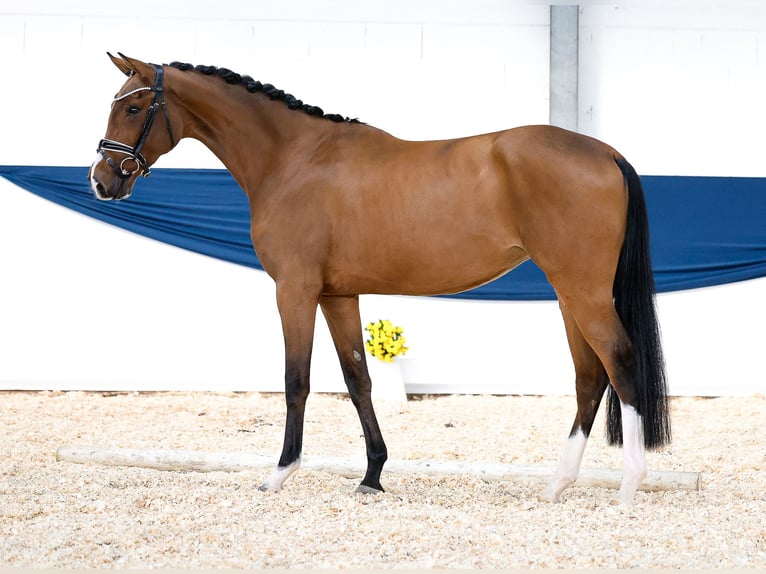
[[297, 389]]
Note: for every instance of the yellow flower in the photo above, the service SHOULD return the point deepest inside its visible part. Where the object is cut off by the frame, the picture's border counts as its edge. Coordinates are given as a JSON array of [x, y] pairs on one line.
[[385, 341]]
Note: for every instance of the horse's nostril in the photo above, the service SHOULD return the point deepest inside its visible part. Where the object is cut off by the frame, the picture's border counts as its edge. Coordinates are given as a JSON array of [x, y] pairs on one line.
[[98, 188]]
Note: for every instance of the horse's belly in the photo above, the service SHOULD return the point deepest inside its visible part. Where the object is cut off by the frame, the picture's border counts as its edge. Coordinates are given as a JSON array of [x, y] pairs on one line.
[[436, 275], [446, 277]]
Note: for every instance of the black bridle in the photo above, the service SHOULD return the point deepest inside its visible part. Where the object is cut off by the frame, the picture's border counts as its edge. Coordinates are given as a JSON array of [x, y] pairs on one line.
[[134, 152]]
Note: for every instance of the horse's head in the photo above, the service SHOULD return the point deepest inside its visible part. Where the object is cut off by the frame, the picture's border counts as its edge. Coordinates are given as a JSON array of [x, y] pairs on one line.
[[134, 140]]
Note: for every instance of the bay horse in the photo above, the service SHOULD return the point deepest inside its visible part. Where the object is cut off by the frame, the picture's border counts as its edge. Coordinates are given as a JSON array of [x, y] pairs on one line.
[[456, 214]]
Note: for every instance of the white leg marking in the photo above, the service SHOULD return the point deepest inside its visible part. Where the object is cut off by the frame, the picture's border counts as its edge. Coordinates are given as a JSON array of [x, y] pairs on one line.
[[634, 458], [279, 475], [568, 468]]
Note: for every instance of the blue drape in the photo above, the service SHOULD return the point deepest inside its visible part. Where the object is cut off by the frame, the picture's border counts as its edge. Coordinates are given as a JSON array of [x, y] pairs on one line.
[[704, 230]]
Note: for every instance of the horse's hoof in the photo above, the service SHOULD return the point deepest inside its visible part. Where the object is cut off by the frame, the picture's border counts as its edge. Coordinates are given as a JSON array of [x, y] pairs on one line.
[[266, 488], [550, 494], [364, 489]]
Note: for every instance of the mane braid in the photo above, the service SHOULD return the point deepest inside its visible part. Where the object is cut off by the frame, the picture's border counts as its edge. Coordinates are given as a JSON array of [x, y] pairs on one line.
[[272, 92]]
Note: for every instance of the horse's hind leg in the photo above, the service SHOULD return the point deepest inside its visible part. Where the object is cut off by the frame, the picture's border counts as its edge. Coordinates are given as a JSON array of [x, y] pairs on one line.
[[601, 327], [342, 315], [590, 381]]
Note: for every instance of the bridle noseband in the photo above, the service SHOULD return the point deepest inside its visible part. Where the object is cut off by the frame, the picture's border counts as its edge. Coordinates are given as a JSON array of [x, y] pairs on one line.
[[134, 153]]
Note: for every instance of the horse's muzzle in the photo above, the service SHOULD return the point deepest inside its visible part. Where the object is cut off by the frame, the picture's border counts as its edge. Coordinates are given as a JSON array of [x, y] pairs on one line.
[[108, 186]]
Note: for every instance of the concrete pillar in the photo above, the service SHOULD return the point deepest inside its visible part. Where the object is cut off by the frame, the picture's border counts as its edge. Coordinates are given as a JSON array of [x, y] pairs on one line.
[[564, 43]]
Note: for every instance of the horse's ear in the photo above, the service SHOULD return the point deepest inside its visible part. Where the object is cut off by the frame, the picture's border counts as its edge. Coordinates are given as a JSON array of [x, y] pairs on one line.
[[130, 66], [121, 64]]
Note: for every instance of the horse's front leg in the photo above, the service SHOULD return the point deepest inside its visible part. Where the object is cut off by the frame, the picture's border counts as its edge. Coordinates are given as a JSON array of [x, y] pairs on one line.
[[297, 309], [342, 315]]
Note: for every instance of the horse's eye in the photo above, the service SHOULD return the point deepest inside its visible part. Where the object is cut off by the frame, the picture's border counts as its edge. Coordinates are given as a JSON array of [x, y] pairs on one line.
[[132, 110]]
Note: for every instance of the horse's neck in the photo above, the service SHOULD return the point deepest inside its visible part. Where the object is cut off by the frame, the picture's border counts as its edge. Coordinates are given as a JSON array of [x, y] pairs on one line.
[[247, 132]]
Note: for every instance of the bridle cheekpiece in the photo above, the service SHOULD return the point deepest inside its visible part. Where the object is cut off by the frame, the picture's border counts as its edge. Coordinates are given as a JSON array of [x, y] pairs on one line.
[[133, 153]]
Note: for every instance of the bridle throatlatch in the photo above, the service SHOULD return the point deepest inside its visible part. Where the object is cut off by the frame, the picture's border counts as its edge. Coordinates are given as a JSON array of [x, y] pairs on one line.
[[133, 153]]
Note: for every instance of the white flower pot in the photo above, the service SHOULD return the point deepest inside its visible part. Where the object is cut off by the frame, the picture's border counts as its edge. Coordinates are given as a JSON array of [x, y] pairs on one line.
[[387, 380]]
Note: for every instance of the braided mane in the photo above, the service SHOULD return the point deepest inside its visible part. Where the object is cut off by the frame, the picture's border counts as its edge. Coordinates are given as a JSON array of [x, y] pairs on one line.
[[272, 92]]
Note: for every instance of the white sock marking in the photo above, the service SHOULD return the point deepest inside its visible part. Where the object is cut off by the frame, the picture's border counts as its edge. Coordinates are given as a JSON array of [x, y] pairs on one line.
[[634, 457], [279, 475], [568, 468]]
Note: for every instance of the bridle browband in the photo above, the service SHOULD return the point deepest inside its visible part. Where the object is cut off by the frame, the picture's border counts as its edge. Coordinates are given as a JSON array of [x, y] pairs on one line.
[[134, 153]]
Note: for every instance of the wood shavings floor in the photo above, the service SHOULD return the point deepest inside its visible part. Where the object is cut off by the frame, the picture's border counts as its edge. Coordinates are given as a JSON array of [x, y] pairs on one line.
[[63, 515]]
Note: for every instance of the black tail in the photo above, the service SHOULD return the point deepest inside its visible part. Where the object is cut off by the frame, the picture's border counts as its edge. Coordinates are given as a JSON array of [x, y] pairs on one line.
[[633, 293]]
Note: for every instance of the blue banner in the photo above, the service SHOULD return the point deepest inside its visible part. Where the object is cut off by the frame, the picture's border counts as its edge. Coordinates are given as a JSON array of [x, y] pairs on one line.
[[704, 230]]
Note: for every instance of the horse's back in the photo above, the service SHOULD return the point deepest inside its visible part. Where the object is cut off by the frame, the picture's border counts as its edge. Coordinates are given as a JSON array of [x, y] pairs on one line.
[[554, 151]]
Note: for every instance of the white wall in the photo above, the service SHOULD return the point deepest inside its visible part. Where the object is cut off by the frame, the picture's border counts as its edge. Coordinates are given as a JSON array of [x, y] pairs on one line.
[[678, 87], [402, 66], [672, 86]]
